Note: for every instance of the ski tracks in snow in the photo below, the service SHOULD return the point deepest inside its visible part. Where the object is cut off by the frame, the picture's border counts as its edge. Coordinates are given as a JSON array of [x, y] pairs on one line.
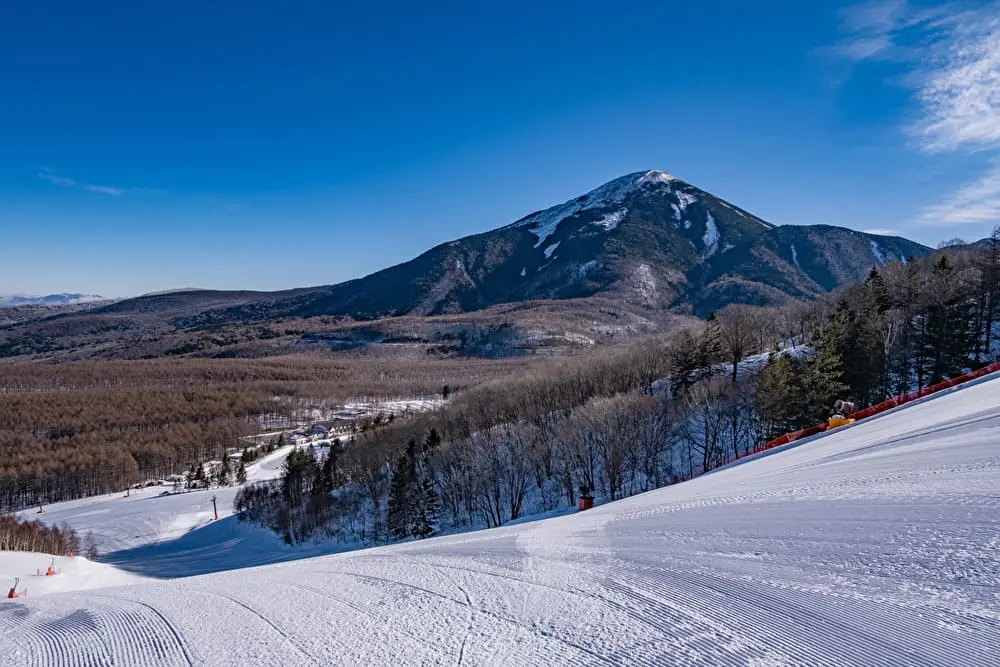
[[124, 632]]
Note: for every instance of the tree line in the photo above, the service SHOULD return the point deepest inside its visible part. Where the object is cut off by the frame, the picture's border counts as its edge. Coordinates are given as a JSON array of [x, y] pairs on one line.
[[18, 535], [624, 421], [905, 327], [86, 428]]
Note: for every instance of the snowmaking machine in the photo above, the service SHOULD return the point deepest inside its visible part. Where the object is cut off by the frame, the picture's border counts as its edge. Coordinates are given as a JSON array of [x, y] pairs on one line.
[[841, 412]]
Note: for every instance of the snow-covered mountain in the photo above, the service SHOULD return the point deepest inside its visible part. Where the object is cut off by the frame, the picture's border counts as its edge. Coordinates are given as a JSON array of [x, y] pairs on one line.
[[647, 237], [64, 299], [649, 244]]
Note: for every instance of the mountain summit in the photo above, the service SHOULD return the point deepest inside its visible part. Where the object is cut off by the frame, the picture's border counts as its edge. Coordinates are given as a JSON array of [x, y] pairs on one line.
[[647, 240], [647, 237], [631, 255]]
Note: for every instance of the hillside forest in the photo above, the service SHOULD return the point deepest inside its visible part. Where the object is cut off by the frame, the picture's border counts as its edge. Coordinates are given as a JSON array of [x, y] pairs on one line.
[[655, 413], [516, 436]]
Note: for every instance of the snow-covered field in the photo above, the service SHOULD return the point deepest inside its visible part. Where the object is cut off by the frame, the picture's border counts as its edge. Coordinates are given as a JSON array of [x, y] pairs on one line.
[[877, 544], [144, 517]]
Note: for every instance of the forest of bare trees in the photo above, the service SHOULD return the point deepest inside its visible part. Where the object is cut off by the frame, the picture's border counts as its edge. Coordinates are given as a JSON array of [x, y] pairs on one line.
[[628, 420], [18, 535], [516, 436], [79, 429]]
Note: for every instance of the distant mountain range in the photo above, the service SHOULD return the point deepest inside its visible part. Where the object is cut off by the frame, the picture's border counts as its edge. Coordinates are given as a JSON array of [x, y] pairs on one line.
[[8, 300], [632, 255], [647, 238]]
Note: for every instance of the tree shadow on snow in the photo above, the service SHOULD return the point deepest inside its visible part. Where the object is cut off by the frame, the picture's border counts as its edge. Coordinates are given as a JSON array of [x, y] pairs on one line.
[[219, 546]]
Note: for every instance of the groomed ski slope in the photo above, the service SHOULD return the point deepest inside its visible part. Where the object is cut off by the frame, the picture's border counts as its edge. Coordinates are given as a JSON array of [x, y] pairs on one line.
[[877, 545]]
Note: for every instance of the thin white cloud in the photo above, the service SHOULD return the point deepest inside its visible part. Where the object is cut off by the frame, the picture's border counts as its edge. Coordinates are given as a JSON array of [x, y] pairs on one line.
[[104, 189], [953, 54], [880, 29], [46, 174], [976, 203], [959, 89]]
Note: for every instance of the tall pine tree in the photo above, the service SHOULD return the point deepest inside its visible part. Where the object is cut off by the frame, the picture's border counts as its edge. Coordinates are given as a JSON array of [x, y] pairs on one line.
[[947, 334], [403, 496], [824, 377]]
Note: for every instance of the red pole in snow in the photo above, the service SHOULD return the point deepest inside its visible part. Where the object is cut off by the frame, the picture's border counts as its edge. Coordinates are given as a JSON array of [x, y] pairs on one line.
[[215, 509]]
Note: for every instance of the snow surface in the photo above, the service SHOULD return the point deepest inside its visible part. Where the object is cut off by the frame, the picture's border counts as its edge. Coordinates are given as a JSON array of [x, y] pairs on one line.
[[795, 256], [586, 267], [543, 224], [677, 211], [145, 517], [877, 253], [711, 237], [654, 176], [684, 200], [877, 543], [74, 574], [645, 282], [551, 249], [611, 220]]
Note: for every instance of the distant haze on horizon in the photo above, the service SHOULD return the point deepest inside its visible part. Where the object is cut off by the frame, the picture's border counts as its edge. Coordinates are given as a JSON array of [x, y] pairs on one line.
[[227, 146]]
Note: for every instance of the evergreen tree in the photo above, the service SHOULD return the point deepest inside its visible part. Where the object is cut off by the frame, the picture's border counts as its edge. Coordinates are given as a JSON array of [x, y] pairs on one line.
[[431, 442], [988, 306], [824, 377], [403, 498], [710, 345], [296, 473], [426, 521], [685, 361], [241, 473], [948, 328], [327, 480], [225, 472], [429, 505], [875, 336], [781, 396]]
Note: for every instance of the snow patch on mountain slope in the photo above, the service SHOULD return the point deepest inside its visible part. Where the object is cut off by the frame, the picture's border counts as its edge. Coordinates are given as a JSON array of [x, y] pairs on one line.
[[48, 300], [586, 268], [795, 257], [677, 212], [524, 271], [551, 249], [654, 176], [684, 200], [611, 220], [711, 237], [645, 282], [878, 253], [610, 195]]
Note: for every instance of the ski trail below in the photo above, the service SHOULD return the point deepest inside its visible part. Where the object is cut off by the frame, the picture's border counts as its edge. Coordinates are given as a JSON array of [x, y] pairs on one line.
[[879, 545]]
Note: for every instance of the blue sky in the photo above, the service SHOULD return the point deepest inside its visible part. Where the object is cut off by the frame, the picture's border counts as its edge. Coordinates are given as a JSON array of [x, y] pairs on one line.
[[226, 145]]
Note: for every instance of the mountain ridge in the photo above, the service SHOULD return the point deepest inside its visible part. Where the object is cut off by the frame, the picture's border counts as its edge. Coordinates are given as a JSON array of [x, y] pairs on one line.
[[646, 236], [61, 299], [639, 253]]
